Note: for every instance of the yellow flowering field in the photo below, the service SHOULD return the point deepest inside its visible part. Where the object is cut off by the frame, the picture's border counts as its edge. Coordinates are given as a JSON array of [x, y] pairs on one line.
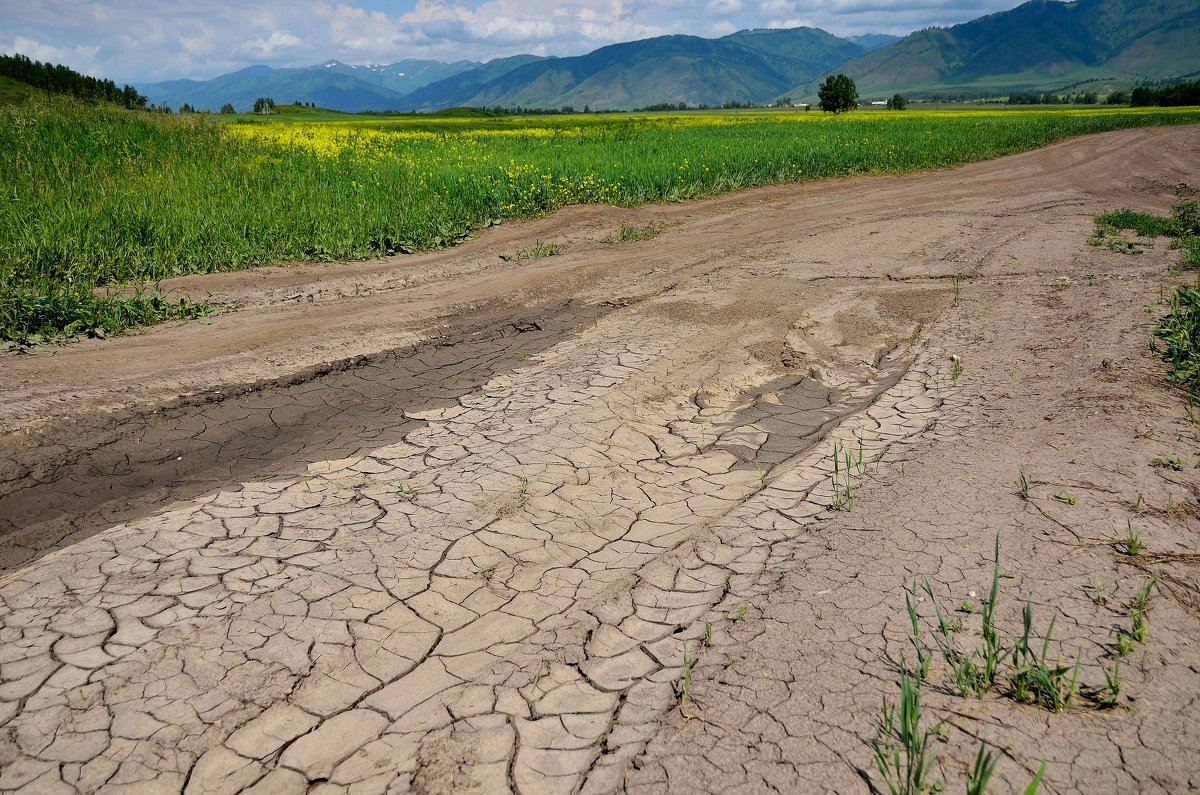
[[531, 164], [99, 196]]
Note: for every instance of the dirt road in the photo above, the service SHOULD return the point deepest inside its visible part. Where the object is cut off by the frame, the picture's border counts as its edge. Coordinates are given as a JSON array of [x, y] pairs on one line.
[[454, 523]]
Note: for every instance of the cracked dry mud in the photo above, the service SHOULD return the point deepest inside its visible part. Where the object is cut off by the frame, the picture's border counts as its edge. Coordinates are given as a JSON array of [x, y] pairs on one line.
[[448, 524]]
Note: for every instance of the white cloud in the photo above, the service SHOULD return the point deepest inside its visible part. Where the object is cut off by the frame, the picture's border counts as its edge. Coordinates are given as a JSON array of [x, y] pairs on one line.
[[278, 42], [776, 7], [353, 30], [82, 57], [724, 8], [148, 40], [202, 42]]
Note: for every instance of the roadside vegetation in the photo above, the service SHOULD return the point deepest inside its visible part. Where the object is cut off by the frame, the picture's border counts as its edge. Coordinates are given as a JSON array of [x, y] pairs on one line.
[[99, 201], [1177, 335]]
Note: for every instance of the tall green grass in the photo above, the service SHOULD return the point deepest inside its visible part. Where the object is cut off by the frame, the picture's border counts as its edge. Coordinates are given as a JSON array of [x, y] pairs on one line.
[[93, 198], [28, 317]]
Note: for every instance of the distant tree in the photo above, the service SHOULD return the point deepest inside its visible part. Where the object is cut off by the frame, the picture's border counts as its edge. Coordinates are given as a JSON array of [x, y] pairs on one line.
[[838, 94], [1117, 98], [785, 102], [264, 105], [186, 108], [131, 99], [897, 102], [227, 108], [1030, 98], [661, 106]]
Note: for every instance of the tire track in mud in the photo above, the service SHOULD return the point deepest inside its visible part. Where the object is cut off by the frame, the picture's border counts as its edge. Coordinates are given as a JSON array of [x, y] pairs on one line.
[[81, 475], [497, 600]]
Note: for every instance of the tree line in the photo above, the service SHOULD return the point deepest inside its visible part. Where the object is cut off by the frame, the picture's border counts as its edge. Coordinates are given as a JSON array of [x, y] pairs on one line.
[[1037, 98], [1168, 97], [59, 79]]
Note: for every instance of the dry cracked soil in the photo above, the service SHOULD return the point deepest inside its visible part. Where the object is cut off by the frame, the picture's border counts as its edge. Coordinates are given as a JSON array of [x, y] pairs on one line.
[[457, 523]]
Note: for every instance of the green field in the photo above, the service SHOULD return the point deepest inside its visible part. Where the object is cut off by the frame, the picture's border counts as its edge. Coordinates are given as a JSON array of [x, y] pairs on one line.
[[96, 199]]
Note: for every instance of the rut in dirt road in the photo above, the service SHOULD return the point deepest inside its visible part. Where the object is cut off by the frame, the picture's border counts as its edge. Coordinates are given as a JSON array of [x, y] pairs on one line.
[[84, 474], [458, 581]]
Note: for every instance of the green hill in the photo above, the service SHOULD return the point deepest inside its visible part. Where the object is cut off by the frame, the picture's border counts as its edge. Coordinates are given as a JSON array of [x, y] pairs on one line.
[[13, 92], [1041, 45]]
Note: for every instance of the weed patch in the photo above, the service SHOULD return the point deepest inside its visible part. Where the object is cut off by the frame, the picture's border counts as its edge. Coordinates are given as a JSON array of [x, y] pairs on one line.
[[974, 673], [904, 749], [685, 679], [1189, 254], [1132, 545], [1024, 669], [903, 752], [632, 234], [1137, 610], [1144, 224], [1183, 224], [1020, 668], [1106, 696], [1034, 679], [1179, 332], [843, 494], [536, 251]]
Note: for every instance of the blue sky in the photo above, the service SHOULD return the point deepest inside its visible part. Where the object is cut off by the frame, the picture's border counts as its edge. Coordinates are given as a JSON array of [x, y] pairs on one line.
[[149, 40]]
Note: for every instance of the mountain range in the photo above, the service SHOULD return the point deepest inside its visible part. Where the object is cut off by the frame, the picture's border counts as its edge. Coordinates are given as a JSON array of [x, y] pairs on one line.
[[1040, 45], [748, 66]]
